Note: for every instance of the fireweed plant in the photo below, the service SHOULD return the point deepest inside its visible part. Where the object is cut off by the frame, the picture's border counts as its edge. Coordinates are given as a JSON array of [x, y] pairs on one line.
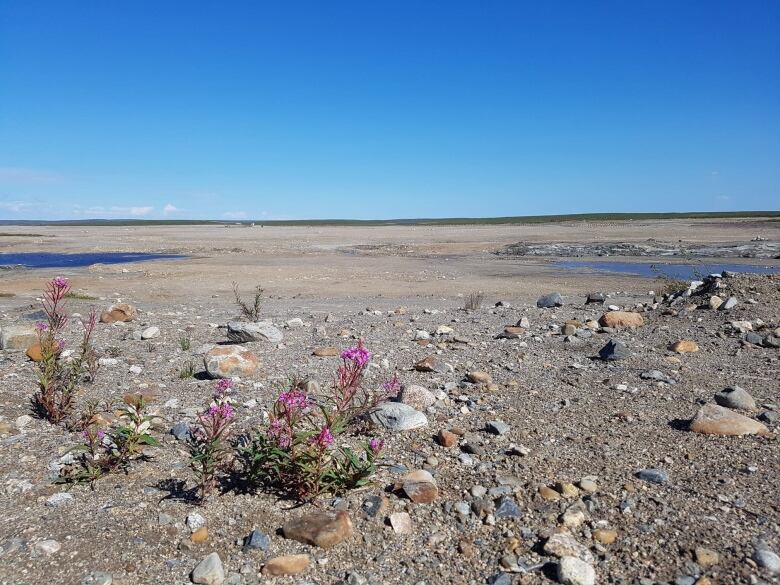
[[58, 379], [298, 454], [111, 450], [208, 446]]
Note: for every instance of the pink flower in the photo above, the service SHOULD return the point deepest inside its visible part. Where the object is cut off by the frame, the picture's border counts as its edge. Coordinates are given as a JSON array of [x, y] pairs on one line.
[[40, 326], [295, 399], [392, 387], [376, 445], [359, 355], [324, 439], [60, 282]]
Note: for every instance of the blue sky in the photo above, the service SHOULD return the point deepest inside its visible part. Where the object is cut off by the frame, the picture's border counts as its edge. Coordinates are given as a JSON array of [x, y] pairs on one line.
[[224, 110]]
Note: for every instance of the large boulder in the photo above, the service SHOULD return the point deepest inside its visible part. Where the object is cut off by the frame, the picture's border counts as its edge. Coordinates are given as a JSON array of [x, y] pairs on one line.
[[228, 361], [121, 312], [712, 419], [621, 319], [244, 331], [18, 337]]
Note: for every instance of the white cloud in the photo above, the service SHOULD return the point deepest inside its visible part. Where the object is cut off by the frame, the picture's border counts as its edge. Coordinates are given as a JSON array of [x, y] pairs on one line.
[[113, 211], [170, 209], [15, 206], [234, 215], [22, 175]]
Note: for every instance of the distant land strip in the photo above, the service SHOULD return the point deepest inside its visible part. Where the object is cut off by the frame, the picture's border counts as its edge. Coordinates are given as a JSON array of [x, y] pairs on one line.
[[520, 219]]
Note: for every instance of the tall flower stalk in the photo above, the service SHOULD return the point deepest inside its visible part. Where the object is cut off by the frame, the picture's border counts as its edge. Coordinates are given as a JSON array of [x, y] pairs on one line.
[[57, 380], [207, 441]]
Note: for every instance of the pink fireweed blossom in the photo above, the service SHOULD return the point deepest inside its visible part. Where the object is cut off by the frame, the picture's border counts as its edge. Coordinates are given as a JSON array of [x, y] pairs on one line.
[[324, 439], [60, 282], [40, 326], [224, 411], [392, 387], [376, 445], [279, 433], [295, 399], [359, 355]]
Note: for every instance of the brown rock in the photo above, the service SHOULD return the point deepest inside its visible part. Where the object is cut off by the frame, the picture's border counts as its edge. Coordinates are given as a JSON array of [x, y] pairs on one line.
[[447, 439], [604, 536], [479, 377], [549, 494], [322, 529], [289, 565], [326, 352], [513, 332], [430, 363], [122, 312], [420, 487], [706, 557], [712, 419], [200, 535], [684, 346], [34, 352], [621, 319], [18, 337], [227, 361], [568, 329]]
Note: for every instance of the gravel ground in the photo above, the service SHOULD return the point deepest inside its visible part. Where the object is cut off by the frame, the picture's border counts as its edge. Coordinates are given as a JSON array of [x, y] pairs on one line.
[[570, 416]]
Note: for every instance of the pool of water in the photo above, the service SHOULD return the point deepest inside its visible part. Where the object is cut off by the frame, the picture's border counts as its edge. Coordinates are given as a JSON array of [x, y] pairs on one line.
[[55, 260], [678, 271]]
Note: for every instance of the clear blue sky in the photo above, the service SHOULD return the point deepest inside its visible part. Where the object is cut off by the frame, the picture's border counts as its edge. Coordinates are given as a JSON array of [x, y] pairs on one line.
[[367, 109]]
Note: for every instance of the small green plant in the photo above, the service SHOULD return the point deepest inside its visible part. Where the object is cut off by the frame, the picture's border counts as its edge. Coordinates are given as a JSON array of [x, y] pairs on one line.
[[79, 296], [185, 341], [299, 455], [207, 441], [187, 370], [104, 452], [58, 379], [251, 312]]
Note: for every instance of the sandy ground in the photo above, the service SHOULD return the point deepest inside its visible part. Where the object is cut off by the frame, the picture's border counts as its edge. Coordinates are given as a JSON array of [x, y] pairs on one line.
[[334, 264]]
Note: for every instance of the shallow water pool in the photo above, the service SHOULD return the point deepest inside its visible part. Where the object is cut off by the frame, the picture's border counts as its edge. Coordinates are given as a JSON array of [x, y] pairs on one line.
[[57, 260]]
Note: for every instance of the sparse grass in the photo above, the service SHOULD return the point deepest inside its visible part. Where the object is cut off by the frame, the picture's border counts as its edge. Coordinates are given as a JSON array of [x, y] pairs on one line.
[[12, 235], [187, 371], [474, 301], [6, 295], [79, 296], [185, 341]]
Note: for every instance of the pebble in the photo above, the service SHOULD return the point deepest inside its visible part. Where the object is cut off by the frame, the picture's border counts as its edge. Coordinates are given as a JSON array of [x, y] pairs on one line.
[[150, 333], [573, 571], [209, 571], [396, 417], [59, 499], [550, 300], [497, 427], [195, 521], [735, 397], [287, 565], [614, 350], [706, 557], [420, 487], [257, 540], [653, 475], [401, 523], [47, 547], [604, 536], [712, 419], [322, 529], [244, 332], [508, 508]]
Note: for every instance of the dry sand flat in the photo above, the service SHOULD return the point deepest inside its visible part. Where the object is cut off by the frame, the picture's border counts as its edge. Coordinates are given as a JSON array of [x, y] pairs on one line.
[[322, 263]]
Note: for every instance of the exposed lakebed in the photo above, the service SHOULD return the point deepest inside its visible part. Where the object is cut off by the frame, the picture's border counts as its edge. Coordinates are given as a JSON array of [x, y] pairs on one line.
[[59, 260], [677, 271]]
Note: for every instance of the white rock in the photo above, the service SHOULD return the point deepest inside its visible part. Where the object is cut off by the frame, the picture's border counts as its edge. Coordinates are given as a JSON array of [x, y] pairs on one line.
[[209, 571], [573, 571], [195, 521], [150, 333], [59, 499], [47, 547]]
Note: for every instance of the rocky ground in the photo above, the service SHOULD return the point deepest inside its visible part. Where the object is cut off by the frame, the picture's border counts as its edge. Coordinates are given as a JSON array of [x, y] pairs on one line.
[[550, 464]]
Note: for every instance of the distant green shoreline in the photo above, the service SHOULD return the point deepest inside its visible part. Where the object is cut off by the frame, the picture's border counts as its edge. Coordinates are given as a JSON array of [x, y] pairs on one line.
[[520, 219]]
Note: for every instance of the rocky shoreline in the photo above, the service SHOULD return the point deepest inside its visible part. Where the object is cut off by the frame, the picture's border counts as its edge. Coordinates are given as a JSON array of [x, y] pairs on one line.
[[607, 438], [651, 248]]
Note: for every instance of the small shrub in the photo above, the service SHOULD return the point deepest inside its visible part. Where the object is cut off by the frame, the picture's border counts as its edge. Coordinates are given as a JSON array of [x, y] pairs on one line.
[[251, 312], [207, 442], [57, 379], [299, 454], [104, 452], [474, 301]]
